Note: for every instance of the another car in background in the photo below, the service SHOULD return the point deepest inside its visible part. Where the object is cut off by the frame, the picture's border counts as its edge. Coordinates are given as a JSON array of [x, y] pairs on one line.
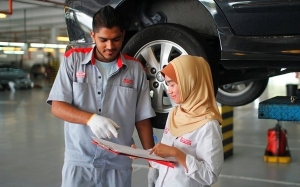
[[21, 78]]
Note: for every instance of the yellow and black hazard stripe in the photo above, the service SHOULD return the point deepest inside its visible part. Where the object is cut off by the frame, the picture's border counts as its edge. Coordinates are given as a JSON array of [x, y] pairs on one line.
[[227, 129]]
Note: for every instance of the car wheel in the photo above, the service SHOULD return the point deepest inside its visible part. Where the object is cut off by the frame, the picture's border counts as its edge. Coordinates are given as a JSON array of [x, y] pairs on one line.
[[155, 46], [241, 93]]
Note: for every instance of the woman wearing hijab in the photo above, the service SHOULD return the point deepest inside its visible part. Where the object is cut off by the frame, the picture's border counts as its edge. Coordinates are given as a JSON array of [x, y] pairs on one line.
[[192, 133]]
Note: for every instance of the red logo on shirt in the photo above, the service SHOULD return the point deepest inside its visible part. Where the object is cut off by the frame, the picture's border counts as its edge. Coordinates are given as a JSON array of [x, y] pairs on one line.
[[128, 81], [80, 74], [166, 130], [185, 141]]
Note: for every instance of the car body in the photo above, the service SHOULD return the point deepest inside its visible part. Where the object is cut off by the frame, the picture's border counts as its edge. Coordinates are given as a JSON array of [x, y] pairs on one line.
[[245, 42], [20, 77]]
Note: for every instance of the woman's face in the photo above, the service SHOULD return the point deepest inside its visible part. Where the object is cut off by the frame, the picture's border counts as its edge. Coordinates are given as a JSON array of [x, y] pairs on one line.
[[173, 90]]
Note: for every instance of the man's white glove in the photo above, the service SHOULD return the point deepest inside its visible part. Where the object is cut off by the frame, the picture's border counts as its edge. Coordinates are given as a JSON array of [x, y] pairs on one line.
[[152, 176], [103, 127]]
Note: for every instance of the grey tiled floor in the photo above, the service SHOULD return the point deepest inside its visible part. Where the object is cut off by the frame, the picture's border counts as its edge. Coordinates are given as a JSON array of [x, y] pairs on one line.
[[31, 144]]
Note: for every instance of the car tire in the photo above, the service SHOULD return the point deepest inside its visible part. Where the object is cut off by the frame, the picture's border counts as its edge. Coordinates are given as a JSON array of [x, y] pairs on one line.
[[242, 93], [155, 46]]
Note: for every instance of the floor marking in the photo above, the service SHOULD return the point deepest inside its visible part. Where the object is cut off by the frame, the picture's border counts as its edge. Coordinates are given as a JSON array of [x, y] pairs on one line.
[[260, 180]]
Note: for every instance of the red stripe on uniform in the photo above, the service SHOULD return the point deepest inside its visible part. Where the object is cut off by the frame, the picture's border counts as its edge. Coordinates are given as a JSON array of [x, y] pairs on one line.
[[119, 62], [77, 50]]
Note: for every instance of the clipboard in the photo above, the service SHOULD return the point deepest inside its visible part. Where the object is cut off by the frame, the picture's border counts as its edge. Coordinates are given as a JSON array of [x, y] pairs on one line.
[[134, 152]]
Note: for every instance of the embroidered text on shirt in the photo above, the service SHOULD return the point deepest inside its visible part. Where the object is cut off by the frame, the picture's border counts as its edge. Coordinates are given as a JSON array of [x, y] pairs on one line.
[[166, 130], [128, 81], [80, 74], [185, 141]]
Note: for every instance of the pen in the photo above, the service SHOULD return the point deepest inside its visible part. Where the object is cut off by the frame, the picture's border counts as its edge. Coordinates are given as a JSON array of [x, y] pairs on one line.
[[155, 139]]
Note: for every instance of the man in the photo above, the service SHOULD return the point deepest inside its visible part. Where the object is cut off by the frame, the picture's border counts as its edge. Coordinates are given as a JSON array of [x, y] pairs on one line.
[[100, 92]]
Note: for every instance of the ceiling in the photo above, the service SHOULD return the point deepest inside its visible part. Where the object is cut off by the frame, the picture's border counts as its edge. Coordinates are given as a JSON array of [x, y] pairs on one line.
[[32, 21]]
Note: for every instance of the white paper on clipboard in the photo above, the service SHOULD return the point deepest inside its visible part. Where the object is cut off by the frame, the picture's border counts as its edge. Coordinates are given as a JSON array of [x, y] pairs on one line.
[[129, 151]]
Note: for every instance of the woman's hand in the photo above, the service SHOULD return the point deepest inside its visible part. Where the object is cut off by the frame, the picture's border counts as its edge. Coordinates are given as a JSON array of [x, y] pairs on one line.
[[163, 150]]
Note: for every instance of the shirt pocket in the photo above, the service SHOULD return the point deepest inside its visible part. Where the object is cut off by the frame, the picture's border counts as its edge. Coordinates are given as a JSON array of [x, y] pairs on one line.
[[79, 88], [82, 95], [121, 100], [129, 93]]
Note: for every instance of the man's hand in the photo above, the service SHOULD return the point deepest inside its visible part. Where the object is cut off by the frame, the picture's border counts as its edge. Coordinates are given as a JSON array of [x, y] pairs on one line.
[[133, 157], [103, 127], [152, 176]]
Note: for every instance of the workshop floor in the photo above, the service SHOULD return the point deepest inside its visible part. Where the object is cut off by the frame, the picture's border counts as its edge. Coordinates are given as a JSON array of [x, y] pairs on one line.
[[32, 144]]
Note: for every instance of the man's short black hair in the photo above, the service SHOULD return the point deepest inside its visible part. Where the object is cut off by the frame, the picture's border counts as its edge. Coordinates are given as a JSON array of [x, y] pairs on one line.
[[107, 17]]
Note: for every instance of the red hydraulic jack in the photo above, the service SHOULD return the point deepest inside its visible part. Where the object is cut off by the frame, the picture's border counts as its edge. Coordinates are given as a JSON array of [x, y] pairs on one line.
[[277, 150]]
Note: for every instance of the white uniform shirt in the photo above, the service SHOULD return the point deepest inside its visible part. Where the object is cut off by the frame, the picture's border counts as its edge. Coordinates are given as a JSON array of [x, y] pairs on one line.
[[204, 158]]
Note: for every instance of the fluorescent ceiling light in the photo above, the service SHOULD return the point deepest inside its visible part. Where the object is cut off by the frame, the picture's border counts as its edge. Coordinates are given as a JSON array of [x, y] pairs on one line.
[[51, 45], [38, 45], [61, 46], [14, 52], [11, 49], [48, 50], [13, 44], [32, 49], [41, 45], [4, 43], [2, 15], [62, 38], [16, 44], [8, 48]]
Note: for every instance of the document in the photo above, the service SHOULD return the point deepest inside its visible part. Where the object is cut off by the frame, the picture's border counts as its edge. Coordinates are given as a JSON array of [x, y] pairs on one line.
[[129, 151]]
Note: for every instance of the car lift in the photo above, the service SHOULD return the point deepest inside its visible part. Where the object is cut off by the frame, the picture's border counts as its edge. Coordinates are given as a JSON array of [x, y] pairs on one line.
[[281, 108]]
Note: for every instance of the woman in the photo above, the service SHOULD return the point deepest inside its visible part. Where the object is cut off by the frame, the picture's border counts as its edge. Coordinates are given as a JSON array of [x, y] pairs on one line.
[[193, 133]]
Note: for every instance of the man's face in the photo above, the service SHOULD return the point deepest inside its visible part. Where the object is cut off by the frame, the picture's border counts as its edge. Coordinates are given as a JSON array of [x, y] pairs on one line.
[[108, 43]]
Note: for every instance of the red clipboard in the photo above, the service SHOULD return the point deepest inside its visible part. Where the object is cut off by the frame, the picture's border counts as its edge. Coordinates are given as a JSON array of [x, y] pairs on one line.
[[129, 151]]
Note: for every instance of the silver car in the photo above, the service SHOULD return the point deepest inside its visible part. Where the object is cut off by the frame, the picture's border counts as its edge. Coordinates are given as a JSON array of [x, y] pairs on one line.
[[19, 77]]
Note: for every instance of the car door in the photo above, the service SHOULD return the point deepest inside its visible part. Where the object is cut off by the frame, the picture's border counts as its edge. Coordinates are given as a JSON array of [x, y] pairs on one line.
[[262, 17]]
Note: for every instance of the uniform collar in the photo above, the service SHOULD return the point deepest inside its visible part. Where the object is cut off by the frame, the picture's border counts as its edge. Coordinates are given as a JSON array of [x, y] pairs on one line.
[[91, 58]]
